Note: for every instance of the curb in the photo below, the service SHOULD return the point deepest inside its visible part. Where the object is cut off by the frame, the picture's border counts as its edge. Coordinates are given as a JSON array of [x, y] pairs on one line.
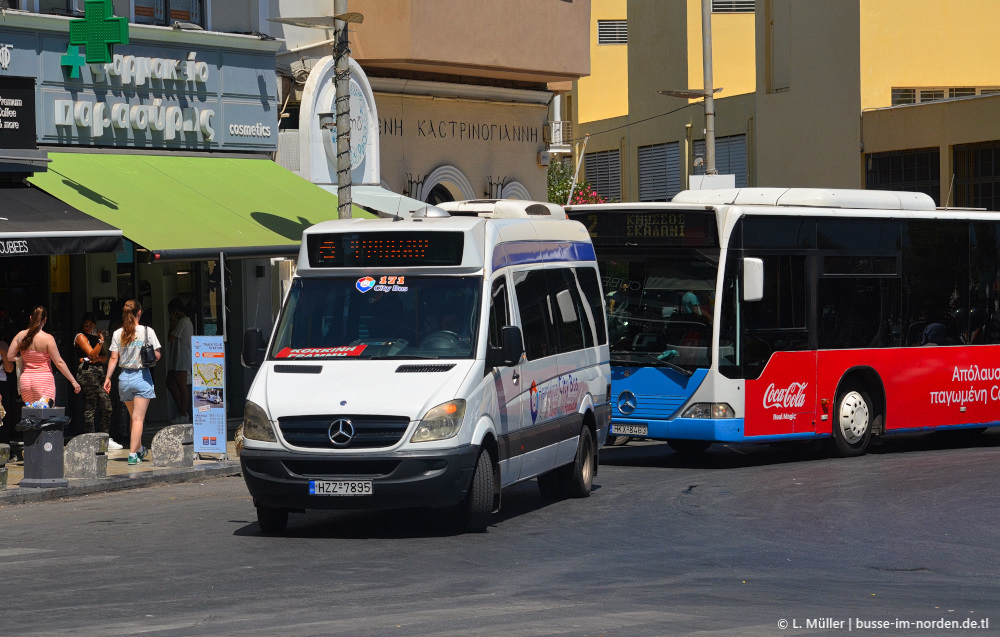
[[86, 486]]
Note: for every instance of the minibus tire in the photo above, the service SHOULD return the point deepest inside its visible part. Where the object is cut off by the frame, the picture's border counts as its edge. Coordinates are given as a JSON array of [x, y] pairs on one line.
[[271, 520], [853, 402], [580, 475], [477, 508]]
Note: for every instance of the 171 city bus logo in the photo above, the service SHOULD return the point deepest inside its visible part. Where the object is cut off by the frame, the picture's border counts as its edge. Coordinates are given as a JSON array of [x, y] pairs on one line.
[[792, 396]]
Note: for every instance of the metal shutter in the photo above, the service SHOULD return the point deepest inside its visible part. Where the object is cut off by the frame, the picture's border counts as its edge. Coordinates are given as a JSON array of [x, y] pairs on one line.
[[730, 157], [612, 31], [659, 171], [603, 171], [732, 6]]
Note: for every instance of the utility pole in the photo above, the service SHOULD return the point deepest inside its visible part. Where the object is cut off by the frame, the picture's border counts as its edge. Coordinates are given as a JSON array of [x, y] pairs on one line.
[[706, 56], [342, 79]]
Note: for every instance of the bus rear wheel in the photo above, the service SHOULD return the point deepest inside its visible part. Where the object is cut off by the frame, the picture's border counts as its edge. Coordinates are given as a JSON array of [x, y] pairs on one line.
[[852, 425], [688, 447]]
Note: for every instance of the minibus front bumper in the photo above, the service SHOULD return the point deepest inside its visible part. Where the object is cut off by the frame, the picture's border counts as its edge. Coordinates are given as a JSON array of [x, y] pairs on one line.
[[435, 478]]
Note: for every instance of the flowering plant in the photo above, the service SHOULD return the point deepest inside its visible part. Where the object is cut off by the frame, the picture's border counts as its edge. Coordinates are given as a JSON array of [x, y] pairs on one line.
[[586, 194]]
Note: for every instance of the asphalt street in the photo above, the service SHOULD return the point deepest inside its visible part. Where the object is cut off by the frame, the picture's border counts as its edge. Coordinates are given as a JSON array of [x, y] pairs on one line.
[[733, 543]]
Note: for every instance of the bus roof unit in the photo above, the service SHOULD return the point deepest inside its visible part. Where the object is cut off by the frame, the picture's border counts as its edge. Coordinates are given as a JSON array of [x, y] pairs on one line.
[[809, 198]]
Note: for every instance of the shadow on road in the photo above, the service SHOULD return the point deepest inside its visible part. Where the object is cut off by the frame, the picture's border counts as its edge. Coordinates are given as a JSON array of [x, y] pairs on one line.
[[735, 456], [520, 499]]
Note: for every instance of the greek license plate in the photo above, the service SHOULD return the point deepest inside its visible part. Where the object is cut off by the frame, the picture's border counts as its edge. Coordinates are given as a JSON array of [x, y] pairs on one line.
[[629, 430], [340, 487]]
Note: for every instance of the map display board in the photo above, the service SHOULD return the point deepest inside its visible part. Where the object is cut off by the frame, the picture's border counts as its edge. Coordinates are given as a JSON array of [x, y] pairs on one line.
[[208, 399]]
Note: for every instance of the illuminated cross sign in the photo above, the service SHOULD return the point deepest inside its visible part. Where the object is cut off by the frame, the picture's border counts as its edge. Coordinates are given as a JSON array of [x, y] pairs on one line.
[[98, 31]]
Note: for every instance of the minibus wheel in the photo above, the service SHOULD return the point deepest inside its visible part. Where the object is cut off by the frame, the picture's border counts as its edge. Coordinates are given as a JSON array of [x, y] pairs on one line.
[[271, 520], [852, 421], [580, 477], [477, 508]]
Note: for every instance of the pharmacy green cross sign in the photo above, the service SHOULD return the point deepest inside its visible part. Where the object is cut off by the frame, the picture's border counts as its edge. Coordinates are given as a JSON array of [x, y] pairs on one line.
[[98, 31]]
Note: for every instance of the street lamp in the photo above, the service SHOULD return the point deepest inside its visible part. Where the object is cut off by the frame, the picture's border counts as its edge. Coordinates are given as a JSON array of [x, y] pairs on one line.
[[342, 101], [708, 91]]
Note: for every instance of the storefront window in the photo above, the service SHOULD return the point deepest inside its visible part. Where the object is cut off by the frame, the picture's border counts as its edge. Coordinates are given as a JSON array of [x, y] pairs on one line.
[[210, 321], [166, 12]]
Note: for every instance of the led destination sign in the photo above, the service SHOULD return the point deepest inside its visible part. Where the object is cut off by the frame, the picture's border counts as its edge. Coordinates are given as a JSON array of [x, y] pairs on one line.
[[385, 249], [673, 228]]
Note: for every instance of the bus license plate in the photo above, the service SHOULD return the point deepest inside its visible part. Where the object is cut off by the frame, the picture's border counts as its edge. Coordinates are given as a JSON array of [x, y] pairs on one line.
[[629, 430], [340, 487]]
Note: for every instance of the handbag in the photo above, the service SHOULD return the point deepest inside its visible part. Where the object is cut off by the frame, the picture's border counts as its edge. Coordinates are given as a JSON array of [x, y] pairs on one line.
[[147, 354]]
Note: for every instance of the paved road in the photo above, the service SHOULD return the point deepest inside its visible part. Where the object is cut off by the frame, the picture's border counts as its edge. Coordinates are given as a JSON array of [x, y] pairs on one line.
[[726, 545]]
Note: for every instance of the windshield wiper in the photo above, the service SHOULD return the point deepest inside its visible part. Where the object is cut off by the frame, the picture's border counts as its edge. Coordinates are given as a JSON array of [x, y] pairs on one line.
[[402, 357], [647, 359]]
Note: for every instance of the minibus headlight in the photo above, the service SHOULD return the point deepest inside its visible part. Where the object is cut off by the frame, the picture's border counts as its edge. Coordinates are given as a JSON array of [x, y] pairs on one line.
[[256, 424], [709, 410], [441, 422]]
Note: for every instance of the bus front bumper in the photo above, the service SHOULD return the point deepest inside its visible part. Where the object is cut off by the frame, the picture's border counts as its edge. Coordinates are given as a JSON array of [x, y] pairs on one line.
[[721, 430], [436, 478]]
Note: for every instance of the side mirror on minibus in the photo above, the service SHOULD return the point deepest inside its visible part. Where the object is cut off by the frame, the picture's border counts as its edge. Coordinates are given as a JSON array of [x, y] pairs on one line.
[[510, 350], [753, 279], [254, 348]]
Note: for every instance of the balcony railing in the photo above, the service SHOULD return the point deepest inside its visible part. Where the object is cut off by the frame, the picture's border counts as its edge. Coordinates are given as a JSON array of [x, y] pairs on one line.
[[559, 134]]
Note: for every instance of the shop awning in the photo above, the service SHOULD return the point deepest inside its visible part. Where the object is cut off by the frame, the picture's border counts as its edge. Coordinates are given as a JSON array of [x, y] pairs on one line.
[[184, 207], [379, 200], [34, 223]]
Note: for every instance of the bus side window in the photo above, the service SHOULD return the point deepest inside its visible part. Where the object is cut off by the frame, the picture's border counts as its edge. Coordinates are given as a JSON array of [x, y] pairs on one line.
[[499, 311]]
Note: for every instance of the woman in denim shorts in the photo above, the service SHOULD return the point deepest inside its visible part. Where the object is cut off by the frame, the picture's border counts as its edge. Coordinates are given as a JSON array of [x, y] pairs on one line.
[[135, 384]]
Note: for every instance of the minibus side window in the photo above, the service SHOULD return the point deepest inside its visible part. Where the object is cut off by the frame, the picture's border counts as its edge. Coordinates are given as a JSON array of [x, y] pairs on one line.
[[536, 309], [567, 309], [499, 312], [593, 297]]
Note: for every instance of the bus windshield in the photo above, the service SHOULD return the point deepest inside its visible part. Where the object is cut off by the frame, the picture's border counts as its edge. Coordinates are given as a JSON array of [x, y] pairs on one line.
[[388, 317], [661, 307]]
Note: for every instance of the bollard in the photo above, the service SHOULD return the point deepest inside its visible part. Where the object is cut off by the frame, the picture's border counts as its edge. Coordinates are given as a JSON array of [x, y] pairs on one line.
[[43, 447], [4, 458], [173, 446], [86, 456]]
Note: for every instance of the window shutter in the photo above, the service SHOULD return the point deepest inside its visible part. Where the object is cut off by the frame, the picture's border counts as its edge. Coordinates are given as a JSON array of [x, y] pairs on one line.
[[603, 171], [612, 31], [659, 171]]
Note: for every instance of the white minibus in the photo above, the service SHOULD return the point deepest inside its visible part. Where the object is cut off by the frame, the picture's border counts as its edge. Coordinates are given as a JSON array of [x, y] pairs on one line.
[[431, 361]]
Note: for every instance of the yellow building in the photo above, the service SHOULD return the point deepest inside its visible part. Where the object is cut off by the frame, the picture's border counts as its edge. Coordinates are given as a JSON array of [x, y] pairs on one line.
[[643, 145]]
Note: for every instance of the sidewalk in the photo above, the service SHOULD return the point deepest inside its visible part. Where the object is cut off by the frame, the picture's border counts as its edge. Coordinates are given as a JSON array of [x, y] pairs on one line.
[[121, 475]]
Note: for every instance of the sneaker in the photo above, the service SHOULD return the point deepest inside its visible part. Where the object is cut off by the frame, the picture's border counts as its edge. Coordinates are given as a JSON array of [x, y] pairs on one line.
[[143, 453], [114, 446], [134, 458]]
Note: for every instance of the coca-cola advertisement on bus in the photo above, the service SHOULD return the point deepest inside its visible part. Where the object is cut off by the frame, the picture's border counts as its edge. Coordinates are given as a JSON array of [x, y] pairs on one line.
[[783, 399]]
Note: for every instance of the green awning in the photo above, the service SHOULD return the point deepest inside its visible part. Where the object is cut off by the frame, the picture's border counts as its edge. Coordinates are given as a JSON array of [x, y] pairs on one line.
[[192, 207]]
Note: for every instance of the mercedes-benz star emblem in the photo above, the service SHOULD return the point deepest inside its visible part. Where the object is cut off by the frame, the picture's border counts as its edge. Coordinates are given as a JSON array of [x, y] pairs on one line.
[[341, 432], [627, 402]]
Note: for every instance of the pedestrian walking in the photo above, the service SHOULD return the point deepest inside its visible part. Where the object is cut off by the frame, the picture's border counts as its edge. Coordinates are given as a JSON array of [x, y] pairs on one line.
[[38, 350], [92, 364], [179, 360], [135, 384]]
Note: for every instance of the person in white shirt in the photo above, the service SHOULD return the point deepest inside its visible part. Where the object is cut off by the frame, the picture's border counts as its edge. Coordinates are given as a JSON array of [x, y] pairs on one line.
[[135, 384], [179, 360]]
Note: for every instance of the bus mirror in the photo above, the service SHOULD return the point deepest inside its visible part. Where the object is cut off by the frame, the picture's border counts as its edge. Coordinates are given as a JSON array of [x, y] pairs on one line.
[[753, 279], [254, 348], [513, 345]]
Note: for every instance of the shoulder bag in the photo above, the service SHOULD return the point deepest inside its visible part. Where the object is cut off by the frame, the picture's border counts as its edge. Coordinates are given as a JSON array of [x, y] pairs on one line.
[[147, 354]]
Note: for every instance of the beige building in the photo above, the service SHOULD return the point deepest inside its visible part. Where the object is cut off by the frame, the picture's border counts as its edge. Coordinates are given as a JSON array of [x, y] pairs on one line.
[[889, 94], [466, 95]]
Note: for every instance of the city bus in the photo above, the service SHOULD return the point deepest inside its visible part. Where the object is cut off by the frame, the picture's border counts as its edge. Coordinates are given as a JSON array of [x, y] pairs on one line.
[[772, 314]]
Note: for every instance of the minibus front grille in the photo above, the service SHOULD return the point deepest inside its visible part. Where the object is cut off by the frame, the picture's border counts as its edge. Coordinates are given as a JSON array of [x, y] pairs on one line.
[[422, 369], [324, 469], [298, 369], [369, 432]]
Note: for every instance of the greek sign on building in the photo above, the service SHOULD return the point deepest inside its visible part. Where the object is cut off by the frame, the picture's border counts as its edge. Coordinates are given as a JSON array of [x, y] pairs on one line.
[[158, 88]]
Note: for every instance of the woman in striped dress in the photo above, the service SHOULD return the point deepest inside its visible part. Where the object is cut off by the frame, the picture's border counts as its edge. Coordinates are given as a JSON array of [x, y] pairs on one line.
[[37, 349]]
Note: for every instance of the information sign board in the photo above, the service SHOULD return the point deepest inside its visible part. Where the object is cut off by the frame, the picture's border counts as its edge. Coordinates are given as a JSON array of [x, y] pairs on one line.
[[208, 399]]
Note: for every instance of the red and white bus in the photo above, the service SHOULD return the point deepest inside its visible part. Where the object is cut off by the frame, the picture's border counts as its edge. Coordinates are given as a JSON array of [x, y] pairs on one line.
[[772, 314]]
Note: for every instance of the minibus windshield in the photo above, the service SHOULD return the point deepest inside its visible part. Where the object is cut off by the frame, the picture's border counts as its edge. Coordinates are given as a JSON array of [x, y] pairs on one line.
[[384, 317]]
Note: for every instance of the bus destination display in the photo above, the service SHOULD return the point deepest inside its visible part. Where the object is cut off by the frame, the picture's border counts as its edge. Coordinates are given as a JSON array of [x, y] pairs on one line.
[[679, 228], [386, 249]]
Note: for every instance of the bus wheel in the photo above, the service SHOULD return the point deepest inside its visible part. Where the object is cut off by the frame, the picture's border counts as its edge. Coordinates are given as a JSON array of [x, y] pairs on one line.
[[579, 476], [617, 441], [852, 429], [477, 507], [689, 447], [271, 520]]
